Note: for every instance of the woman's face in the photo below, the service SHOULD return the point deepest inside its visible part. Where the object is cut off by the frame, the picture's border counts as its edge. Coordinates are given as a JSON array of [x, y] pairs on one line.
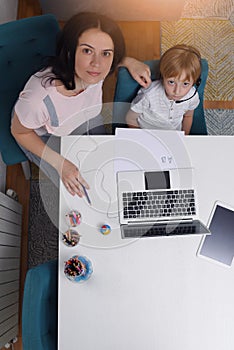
[[94, 56]]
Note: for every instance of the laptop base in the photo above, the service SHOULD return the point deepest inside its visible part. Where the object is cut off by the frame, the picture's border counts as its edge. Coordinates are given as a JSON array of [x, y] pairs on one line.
[[147, 230]]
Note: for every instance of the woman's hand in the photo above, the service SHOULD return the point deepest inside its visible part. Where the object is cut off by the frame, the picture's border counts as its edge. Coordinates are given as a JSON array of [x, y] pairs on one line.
[[68, 172], [138, 70], [72, 179]]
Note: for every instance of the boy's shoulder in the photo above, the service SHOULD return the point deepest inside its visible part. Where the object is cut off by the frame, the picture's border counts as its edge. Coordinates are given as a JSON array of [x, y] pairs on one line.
[[154, 86], [149, 92]]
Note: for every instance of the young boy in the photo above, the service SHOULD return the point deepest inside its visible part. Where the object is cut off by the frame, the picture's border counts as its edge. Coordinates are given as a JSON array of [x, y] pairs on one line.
[[169, 103]]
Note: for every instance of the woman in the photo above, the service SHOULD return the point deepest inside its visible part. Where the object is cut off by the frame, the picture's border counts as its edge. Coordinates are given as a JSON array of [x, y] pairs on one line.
[[89, 48]]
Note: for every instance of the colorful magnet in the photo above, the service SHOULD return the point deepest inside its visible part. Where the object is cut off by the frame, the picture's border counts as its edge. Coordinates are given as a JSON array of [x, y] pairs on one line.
[[105, 229]]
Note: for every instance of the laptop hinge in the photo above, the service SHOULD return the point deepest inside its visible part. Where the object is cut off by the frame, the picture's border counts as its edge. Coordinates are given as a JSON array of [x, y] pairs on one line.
[[176, 221]]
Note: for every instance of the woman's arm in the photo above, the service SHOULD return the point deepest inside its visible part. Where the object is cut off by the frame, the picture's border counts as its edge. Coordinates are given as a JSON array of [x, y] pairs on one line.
[[132, 119], [68, 172], [187, 122], [139, 70]]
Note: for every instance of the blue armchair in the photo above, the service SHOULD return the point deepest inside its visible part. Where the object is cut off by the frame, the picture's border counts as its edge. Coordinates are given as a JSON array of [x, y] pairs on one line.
[[126, 89], [40, 307], [24, 44]]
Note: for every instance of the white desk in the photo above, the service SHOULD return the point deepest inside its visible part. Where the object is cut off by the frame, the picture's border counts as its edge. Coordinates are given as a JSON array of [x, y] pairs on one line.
[[151, 293]]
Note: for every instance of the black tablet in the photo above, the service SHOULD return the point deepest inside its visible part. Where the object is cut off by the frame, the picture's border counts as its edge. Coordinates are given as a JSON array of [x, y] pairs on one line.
[[219, 246]]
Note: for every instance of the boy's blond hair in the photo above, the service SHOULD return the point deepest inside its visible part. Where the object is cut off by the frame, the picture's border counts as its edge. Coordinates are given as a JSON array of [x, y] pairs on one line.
[[178, 59]]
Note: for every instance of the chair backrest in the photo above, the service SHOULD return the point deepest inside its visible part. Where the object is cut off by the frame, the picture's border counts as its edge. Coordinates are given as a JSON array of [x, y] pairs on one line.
[[126, 89], [24, 44], [40, 307]]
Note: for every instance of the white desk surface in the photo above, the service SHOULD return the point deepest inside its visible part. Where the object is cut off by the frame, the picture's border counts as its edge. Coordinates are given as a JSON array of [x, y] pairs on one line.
[[148, 293]]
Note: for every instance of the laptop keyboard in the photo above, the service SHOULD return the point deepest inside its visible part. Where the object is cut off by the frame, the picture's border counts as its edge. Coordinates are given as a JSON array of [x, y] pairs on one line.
[[158, 203]]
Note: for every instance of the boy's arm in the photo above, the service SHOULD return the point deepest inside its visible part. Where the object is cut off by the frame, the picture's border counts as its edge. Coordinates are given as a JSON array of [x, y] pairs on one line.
[[187, 122], [131, 119]]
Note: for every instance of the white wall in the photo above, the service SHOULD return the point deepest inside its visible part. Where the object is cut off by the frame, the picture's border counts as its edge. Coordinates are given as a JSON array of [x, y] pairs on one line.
[[8, 10]]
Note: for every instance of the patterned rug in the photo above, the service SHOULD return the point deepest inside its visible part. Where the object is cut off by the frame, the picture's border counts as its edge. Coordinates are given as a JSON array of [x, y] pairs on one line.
[[220, 121]]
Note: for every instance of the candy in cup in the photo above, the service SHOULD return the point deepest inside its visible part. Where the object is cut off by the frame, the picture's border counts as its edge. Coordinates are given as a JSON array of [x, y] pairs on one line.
[[78, 268]]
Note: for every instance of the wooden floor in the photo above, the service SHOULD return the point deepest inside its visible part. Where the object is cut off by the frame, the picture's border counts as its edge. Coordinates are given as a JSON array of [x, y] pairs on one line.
[[15, 180]]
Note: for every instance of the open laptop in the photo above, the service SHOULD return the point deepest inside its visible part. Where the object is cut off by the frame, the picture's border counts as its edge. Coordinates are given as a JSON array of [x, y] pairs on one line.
[[158, 203]]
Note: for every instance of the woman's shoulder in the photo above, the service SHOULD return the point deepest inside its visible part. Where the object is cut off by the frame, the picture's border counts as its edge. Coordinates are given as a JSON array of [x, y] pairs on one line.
[[37, 85], [42, 77]]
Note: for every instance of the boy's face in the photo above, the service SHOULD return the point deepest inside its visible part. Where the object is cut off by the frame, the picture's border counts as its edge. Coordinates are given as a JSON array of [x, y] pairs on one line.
[[177, 87]]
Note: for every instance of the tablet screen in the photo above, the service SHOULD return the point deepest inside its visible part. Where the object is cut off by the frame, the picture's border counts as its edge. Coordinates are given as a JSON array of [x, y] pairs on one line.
[[219, 245]]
